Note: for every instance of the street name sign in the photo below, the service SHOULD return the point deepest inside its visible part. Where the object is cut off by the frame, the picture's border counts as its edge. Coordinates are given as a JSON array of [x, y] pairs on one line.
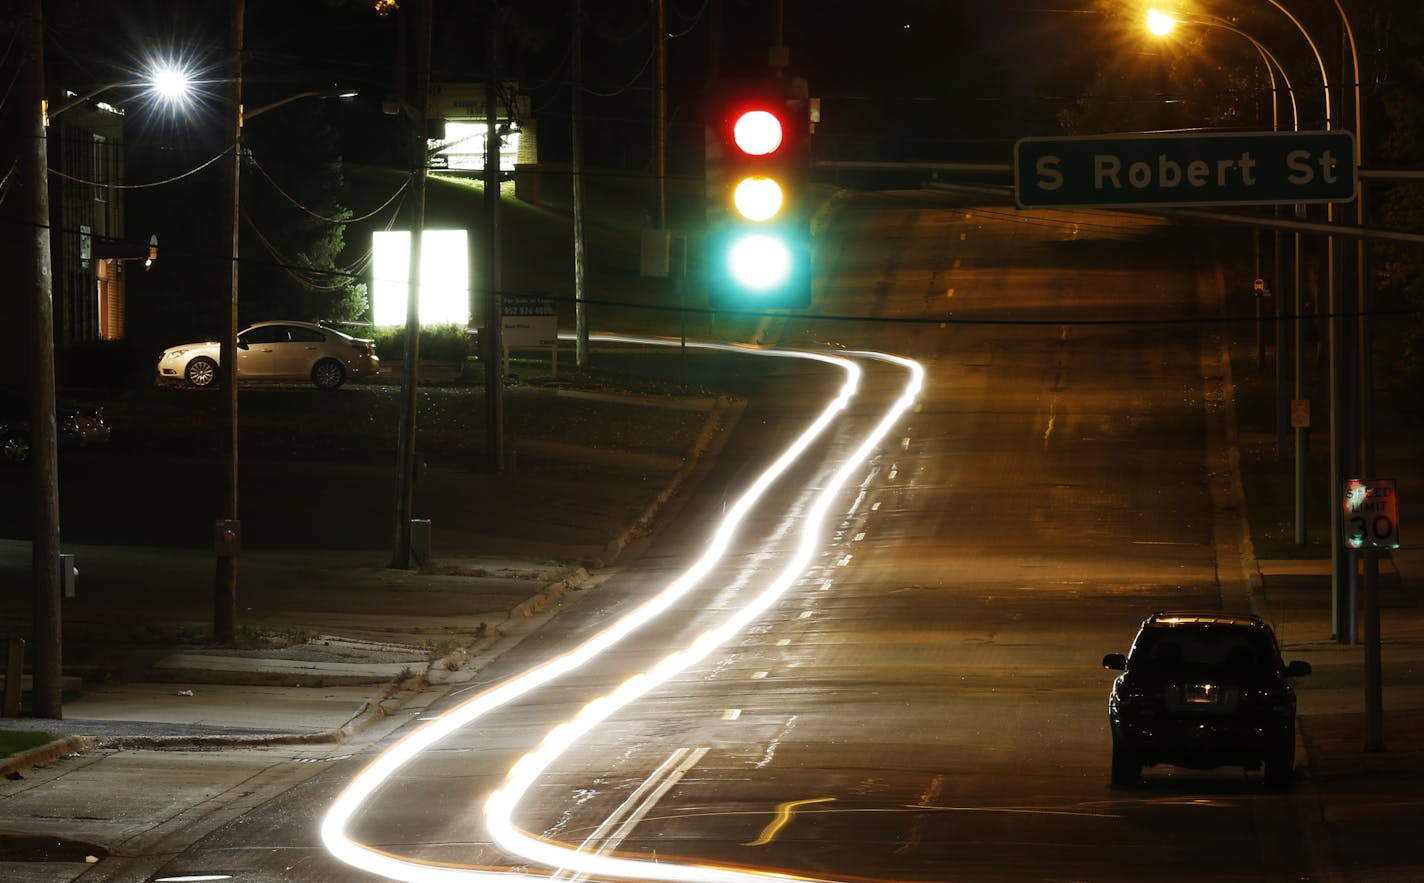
[[1371, 513], [1258, 168]]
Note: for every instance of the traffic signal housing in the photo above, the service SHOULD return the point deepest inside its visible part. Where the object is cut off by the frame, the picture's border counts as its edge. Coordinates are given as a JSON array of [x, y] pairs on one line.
[[759, 226]]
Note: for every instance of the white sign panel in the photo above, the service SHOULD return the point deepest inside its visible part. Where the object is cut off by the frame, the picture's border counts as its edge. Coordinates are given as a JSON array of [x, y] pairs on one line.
[[529, 321], [1371, 513], [444, 277]]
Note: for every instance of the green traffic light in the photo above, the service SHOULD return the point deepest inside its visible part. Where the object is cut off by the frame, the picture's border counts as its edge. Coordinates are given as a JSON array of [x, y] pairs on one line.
[[759, 262]]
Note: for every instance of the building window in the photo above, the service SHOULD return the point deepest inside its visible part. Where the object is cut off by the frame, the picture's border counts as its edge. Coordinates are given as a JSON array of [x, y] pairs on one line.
[[100, 172]]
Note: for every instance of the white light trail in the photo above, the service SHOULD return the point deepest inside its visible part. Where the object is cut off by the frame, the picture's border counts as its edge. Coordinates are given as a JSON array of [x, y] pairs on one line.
[[501, 804]]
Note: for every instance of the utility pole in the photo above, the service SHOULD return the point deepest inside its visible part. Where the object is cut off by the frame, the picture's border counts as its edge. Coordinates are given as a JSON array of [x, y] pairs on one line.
[[410, 363], [576, 173], [47, 694], [494, 315], [660, 112], [227, 539]]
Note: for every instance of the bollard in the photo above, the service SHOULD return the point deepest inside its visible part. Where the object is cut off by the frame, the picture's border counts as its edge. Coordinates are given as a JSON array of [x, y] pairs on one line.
[[419, 542], [68, 574]]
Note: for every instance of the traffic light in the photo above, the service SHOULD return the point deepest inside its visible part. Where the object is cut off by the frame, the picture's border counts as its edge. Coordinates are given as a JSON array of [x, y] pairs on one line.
[[759, 226]]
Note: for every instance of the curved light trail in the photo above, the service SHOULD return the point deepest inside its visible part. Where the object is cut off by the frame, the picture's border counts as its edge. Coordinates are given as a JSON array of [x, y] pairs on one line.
[[500, 805]]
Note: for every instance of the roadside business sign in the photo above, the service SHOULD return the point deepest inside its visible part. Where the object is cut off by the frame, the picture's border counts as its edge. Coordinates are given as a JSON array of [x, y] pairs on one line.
[[529, 321], [1259, 168], [1371, 513]]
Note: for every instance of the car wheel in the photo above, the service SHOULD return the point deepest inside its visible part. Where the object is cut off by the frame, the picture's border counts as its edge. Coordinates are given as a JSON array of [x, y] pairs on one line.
[[1125, 767], [15, 447], [1280, 761], [201, 372], [328, 374]]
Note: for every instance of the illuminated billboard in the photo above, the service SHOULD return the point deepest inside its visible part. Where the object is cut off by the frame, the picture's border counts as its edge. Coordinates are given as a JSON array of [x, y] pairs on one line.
[[463, 148], [444, 277]]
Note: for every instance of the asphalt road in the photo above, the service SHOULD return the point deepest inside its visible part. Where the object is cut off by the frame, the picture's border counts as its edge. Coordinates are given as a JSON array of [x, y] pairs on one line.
[[925, 703]]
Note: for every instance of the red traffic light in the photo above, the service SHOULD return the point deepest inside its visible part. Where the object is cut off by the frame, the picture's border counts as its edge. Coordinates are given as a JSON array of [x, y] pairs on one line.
[[757, 132]]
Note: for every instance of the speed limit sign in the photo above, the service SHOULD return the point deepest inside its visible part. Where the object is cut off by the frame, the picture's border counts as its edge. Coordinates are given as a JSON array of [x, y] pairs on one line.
[[1371, 513]]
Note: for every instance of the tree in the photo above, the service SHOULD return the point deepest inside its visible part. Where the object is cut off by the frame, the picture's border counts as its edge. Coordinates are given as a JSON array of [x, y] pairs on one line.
[[293, 216]]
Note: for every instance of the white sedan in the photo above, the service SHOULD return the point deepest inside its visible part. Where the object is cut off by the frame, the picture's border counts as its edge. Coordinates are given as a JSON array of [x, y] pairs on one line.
[[277, 351]]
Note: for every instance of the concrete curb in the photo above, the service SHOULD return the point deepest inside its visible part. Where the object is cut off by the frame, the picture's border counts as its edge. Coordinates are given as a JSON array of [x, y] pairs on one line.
[[48, 753], [543, 598]]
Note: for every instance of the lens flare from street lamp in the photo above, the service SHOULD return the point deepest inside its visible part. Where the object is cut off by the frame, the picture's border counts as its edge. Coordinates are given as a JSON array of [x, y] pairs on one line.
[[172, 83], [1160, 23]]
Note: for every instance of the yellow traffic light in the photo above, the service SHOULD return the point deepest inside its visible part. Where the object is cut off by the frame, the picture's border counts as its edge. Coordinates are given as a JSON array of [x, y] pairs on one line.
[[758, 198]]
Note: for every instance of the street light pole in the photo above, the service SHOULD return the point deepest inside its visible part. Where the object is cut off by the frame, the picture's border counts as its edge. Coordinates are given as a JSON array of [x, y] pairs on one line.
[[492, 339], [401, 557], [47, 693], [228, 530]]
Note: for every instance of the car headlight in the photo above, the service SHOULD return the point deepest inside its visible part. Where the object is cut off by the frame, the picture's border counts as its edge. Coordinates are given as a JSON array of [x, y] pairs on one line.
[[173, 354]]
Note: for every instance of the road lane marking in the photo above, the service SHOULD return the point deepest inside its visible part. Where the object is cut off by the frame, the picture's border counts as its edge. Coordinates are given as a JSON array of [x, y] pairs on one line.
[[917, 824], [635, 808], [784, 813]]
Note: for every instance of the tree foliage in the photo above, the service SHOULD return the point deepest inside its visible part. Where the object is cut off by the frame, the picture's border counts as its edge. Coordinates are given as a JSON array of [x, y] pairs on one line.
[[1394, 30], [293, 216]]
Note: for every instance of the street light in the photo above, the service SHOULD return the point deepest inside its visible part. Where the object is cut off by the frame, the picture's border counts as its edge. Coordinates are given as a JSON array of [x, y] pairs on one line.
[[227, 530], [1161, 24], [171, 82], [168, 82], [1344, 572], [47, 693]]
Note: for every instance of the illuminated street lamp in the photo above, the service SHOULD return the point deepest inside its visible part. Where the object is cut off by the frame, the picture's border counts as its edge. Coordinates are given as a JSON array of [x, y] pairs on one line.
[[170, 83], [1160, 23], [1344, 603], [47, 692], [227, 530]]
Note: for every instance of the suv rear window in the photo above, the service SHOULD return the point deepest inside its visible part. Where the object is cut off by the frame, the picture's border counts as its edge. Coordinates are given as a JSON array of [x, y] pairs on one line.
[[1204, 648]]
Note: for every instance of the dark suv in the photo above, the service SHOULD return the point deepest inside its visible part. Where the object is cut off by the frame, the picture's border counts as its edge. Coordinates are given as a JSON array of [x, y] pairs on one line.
[[1203, 690]]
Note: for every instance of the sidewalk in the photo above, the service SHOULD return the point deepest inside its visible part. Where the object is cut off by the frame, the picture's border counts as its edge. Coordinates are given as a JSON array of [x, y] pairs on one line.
[[1365, 806], [1370, 802], [288, 682]]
